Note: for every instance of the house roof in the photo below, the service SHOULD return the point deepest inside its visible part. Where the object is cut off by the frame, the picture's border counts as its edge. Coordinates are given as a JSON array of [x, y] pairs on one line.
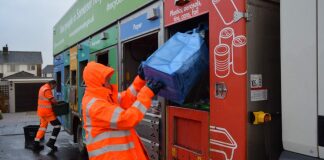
[[21, 75], [48, 69], [21, 57]]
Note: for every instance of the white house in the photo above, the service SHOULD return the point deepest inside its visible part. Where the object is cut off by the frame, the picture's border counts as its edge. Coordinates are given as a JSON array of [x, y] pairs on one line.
[[12, 62], [20, 77]]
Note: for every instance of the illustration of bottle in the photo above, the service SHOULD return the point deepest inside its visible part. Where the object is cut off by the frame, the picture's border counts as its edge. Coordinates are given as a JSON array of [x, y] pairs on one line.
[[225, 9], [239, 55], [222, 60]]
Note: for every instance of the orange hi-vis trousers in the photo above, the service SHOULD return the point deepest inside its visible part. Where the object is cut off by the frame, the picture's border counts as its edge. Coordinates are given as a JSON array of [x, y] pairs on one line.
[[44, 120]]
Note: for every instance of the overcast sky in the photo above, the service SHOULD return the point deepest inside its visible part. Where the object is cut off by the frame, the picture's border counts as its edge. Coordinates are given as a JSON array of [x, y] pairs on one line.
[[26, 25]]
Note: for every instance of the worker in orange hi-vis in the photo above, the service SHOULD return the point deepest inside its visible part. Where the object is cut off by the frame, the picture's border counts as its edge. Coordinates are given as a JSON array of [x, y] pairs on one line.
[[110, 117], [46, 115]]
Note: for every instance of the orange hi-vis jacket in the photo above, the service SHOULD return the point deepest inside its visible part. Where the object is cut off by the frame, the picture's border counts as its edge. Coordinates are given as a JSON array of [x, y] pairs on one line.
[[44, 103], [109, 118]]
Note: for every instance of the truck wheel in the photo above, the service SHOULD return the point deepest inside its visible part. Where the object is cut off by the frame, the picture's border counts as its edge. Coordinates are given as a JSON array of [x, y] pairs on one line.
[[81, 145]]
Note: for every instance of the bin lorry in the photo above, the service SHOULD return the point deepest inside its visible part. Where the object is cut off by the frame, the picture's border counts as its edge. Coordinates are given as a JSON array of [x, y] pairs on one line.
[[261, 97]]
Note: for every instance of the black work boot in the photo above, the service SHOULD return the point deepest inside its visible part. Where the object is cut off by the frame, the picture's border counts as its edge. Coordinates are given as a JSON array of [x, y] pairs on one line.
[[51, 145], [37, 146]]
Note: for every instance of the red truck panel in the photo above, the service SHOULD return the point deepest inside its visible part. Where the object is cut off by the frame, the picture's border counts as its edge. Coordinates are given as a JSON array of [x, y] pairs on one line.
[[188, 133], [228, 64]]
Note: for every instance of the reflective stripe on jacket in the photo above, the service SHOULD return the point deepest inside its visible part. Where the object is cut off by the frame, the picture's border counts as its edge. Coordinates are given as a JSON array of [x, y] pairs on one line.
[[44, 104], [109, 119]]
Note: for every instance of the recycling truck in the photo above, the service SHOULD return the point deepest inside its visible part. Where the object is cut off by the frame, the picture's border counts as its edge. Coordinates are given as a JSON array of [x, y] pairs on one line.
[[260, 98]]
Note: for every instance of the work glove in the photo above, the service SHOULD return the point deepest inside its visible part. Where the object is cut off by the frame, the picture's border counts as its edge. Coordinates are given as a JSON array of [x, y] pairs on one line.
[[140, 72], [53, 101], [155, 86]]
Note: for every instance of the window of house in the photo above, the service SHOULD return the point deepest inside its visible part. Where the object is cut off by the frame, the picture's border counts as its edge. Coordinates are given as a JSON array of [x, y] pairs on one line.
[[31, 67], [12, 68], [4, 90]]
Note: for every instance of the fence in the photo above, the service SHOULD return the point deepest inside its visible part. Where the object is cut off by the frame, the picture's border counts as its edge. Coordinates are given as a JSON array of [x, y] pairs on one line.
[[4, 96]]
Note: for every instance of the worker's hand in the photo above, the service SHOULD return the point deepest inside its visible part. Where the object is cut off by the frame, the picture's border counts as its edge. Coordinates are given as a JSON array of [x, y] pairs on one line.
[[155, 86], [140, 72], [53, 101]]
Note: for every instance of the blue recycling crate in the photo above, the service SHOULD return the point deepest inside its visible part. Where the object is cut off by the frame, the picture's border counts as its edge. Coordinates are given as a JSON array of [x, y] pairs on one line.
[[178, 64]]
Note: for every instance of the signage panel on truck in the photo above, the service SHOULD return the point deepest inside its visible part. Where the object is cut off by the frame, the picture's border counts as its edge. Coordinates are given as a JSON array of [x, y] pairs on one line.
[[66, 56], [58, 59], [83, 50], [86, 17], [104, 39], [175, 14], [140, 25]]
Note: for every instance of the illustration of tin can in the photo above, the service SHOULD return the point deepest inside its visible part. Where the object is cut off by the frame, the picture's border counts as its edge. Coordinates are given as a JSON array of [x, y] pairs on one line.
[[222, 60], [226, 36]]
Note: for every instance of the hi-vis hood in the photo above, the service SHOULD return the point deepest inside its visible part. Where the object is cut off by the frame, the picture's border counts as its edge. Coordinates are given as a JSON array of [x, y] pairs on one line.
[[95, 74]]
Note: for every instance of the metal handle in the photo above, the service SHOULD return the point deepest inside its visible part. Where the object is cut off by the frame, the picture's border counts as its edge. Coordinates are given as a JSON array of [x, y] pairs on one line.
[[221, 90]]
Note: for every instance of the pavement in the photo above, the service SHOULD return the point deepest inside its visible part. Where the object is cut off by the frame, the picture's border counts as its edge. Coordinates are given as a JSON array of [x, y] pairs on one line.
[[12, 140], [13, 123]]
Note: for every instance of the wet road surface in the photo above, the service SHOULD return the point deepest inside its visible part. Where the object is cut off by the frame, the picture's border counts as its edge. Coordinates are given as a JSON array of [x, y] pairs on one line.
[[12, 141]]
